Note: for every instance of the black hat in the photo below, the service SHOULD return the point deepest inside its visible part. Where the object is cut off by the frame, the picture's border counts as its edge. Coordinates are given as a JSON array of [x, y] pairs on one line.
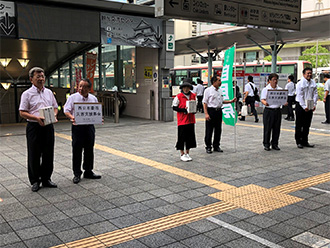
[[186, 83]]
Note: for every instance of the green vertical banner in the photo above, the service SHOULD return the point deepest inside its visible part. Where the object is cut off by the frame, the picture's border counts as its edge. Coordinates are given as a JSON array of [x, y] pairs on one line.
[[229, 114]]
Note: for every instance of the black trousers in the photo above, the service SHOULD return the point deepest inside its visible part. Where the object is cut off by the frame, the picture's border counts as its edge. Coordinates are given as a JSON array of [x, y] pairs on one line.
[[272, 126], [40, 145], [200, 104], [327, 109], [291, 100], [83, 139], [303, 123], [186, 136], [213, 125]]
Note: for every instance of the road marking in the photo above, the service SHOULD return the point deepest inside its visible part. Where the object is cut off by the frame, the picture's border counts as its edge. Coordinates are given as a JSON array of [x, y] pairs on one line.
[[259, 201], [321, 190], [244, 233], [312, 240]]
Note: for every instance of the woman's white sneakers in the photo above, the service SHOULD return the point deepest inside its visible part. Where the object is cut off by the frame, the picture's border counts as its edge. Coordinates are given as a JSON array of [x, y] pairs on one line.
[[185, 157]]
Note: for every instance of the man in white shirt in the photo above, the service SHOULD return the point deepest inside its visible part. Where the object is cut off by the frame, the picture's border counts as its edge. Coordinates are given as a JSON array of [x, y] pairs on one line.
[[306, 100], [272, 115], [291, 87], [40, 138], [326, 99], [83, 136], [199, 92], [213, 102], [249, 98]]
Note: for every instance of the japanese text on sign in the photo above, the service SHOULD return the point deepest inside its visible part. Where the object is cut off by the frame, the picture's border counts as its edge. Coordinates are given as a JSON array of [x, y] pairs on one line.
[[88, 113]]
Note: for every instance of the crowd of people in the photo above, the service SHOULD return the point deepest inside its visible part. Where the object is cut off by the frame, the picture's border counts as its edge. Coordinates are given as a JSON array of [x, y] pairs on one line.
[[303, 94], [40, 137]]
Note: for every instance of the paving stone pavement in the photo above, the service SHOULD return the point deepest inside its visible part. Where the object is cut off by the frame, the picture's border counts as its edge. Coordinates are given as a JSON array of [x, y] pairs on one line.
[[132, 193]]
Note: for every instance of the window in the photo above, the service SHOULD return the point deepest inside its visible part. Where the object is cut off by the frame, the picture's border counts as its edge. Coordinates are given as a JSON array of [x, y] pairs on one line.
[[53, 79], [250, 56], [249, 69], [194, 74], [77, 72], [65, 76], [289, 69], [127, 58], [179, 76], [119, 75]]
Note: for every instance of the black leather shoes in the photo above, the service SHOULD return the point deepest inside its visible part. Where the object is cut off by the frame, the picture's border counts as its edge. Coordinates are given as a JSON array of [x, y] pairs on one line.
[[276, 148], [49, 184], [218, 149], [242, 119], [91, 175], [300, 146], [257, 120], [35, 187], [208, 150], [308, 145], [266, 148], [76, 180]]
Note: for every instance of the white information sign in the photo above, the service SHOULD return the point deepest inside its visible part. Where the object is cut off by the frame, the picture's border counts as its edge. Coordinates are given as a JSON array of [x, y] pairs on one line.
[[88, 113], [270, 13], [277, 97]]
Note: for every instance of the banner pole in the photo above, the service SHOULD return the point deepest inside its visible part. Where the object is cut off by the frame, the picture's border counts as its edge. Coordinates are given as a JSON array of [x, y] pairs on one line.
[[235, 129]]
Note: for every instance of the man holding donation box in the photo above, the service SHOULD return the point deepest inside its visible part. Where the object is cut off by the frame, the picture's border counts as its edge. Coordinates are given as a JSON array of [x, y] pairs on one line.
[[38, 106], [272, 96], [84, 107]]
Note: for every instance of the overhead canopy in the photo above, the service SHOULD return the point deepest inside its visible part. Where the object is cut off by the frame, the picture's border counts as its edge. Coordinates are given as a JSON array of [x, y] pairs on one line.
[[312, 28]]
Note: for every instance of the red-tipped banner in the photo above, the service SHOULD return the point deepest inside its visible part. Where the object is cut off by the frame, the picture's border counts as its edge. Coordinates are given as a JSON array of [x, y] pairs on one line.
[[90, 67]]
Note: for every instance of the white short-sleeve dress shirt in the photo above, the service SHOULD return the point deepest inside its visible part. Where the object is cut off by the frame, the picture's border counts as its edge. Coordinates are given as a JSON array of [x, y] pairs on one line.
[[34, 99], [213, 97]]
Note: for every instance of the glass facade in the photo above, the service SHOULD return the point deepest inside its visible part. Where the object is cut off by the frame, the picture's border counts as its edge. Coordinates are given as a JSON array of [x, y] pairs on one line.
[[117, 71]]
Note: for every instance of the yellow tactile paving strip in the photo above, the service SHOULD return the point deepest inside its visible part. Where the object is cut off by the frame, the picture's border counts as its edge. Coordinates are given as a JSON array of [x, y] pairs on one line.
[[252, 197], [255, 198], [303, 183], [150, 227], [171, 169]]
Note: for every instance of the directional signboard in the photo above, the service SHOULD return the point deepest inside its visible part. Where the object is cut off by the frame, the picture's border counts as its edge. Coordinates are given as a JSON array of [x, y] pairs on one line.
[[7, 19], [283, 14]]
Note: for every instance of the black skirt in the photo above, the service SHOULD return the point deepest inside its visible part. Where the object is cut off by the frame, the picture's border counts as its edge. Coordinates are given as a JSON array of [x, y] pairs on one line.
[[186, 136]]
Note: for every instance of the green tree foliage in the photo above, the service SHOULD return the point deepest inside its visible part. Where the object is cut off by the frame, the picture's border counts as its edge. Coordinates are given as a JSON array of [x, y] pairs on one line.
[[322, 61], [269, 58]]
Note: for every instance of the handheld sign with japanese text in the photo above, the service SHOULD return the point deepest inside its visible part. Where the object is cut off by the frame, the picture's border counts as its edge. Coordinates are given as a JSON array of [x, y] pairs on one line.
[[88, 113], [277, 97]]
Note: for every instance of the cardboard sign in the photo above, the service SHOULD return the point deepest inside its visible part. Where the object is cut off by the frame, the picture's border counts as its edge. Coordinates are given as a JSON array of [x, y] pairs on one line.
[[277, 97], [88, 113]]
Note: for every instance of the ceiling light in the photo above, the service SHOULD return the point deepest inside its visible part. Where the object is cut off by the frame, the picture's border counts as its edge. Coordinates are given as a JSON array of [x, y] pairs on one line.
[[6, 85], [23, 62], [5, 61]]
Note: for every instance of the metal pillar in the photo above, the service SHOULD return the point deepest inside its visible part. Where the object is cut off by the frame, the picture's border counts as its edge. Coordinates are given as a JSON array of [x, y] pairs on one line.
[[209, 66], [274, 54]]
